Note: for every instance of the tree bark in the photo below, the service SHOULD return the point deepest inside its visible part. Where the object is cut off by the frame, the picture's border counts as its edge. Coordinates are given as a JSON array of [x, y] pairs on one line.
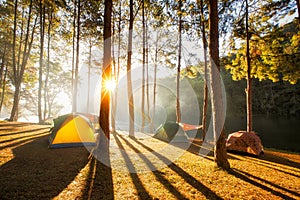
[[89, 77], [3, 60], [14, 112], [18, 71], [46, 91], [178, 113], [106, 76], [143, 68], [114, 74], [77, 59], [205, 88], [73, 55], [117, 73], [218, 110], [42, 30], [154, 81], [147, 68], [3, 88], [129, 82], [20, 44], [249, 88]]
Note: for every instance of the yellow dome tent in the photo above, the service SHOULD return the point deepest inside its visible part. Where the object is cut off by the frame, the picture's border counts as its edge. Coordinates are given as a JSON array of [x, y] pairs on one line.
[[71, 130]]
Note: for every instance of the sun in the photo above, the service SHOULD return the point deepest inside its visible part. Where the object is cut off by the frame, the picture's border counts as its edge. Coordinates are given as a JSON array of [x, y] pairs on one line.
[[110, 85]]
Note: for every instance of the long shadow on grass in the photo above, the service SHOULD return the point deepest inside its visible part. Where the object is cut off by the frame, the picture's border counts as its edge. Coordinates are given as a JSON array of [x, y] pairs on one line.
[[24, 131], [25, 136], [244, 176], [99, 184], [279, 160], [187, 177], [152, 168], [23, 141], [273, 160], [271, 166], [15, 124], [141, 190], [268, 182], [37, 172]]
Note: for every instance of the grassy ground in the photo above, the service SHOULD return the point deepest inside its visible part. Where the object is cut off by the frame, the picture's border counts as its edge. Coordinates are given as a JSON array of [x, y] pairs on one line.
[[29, 170]]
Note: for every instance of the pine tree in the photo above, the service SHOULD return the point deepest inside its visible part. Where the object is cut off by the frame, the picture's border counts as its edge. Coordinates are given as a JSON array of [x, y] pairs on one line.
[[218, 110]]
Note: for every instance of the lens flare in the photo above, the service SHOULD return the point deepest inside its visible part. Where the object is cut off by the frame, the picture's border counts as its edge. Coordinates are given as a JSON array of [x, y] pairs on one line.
[[110, 85]]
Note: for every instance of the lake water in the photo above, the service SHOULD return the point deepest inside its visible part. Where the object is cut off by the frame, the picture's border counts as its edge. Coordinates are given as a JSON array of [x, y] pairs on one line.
[[279, 133]]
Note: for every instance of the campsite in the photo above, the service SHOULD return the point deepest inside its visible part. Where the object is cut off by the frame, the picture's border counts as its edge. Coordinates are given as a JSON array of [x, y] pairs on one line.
[[149, 99], [30, 170]]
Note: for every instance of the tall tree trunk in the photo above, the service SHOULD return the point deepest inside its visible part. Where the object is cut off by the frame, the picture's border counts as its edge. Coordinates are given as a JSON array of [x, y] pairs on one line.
[[154, 82], [3, 77], [15, 109], [3, 60], [117, 73], [143, 69], [77, 59], [147, 68], [103, 141], [3, 88], [21, 39], [89, 76], [218, 110], [178, 114], [205, 88], [42, 30], [248, 90], [129, 82], [46, 93], [73, 54], [114, 74], [14, 113], [18, 72]]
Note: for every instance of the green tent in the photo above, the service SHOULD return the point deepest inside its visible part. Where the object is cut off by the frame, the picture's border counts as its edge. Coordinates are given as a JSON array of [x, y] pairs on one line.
[[170, 132]]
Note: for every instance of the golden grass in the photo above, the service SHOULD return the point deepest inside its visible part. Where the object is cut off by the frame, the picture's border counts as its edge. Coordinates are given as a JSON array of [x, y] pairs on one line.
[[29, 170]]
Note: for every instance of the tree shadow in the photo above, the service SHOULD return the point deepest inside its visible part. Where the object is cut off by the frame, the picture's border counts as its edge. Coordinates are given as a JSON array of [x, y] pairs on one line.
[[187, 177], [271, 165], [152, 168], [279, 160], [14, 125], [37, 172], [268, 182], [100, 183], [245, 177], [24, 141], [141, 190], [270, 160], [26, 136], [23, 131]]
